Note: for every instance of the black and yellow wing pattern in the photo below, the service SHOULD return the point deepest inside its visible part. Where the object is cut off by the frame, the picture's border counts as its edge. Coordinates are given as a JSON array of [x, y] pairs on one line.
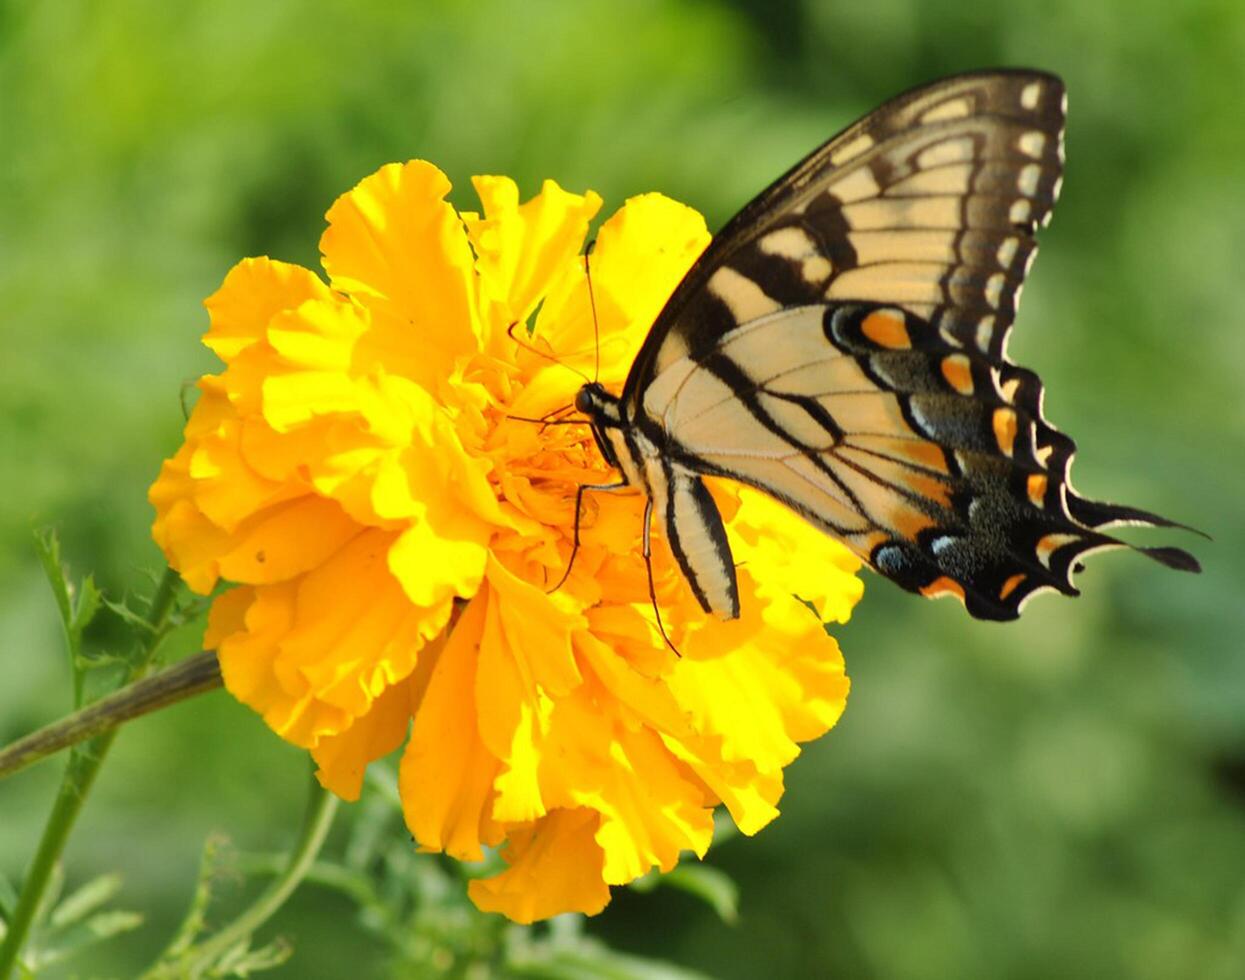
[[841, 346]]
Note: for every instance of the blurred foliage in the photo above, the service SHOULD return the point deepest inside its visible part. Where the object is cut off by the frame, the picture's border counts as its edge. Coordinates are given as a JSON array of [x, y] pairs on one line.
[[1063, 796]]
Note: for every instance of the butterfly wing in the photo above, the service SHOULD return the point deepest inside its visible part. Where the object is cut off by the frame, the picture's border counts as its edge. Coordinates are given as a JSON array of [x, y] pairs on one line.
[[930, 201], [841, 346]]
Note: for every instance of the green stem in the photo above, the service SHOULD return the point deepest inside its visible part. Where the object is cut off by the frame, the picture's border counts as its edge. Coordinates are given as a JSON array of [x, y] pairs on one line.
[[80, 773], [195, 674], [318, 818]]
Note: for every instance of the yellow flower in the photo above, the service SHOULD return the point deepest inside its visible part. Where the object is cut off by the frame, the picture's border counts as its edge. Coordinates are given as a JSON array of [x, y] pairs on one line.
[[391, 533]]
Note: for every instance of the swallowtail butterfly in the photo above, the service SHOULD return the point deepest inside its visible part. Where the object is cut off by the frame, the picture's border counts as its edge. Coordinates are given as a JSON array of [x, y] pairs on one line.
[[841, 346]]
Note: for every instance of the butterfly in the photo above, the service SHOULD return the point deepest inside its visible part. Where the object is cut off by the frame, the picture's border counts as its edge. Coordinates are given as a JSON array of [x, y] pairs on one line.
[[841, 346]]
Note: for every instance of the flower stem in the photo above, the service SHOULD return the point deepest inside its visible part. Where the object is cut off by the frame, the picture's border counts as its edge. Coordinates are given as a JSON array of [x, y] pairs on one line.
[[80, 773], [186, 678], [317, 819]]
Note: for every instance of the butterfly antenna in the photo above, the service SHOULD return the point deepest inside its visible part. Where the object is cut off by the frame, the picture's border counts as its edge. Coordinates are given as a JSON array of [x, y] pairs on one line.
[[592, 301], [540, 353]]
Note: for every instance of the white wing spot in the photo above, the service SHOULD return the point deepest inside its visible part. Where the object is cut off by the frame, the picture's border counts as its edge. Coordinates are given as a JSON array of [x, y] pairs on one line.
[[952, 109], [994, 289], [1020, 212], [985, 330], [1007, 252], [745, 299], [1027, 182], [855, 186], [1030, 94], [1032, 143], [816, 270], [948, 151], [851, 150], [790, 243]]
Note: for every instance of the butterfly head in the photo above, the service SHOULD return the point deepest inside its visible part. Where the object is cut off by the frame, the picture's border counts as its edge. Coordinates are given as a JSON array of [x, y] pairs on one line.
[[604, 411], [602, 408]]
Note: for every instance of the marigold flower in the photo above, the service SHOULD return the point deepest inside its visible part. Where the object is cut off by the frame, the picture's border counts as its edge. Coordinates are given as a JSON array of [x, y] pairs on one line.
[[391, 532]]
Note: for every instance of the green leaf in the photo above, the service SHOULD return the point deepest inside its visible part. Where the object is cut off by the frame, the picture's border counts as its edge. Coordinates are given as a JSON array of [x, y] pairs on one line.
[[48, 546], [130, 617], [8, 898], [86, 606], [84, 900], [91, 932], [242, 961], [712, 885]]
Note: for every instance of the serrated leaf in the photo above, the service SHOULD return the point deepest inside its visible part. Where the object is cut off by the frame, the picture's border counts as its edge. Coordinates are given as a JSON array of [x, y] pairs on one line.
[[131, 618], [84, 900], [86, 605], [712, 885], [48, 547], [95, 930], [242, 961]]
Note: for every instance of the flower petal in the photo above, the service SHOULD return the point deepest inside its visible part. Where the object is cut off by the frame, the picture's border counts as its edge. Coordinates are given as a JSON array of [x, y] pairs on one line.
[[396, 246], [519, 247], [555, 867], [446, 775], [343, 758], [254, 291]]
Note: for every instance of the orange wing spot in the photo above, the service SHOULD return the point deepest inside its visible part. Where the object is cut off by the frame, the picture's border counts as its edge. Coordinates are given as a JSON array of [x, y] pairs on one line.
[[958, 370], [931, 488], [1010, 586], [1004, 420], [886, 328], [918, 451], [1051, 543], [943, 586], [908, 523], [1037, 488]]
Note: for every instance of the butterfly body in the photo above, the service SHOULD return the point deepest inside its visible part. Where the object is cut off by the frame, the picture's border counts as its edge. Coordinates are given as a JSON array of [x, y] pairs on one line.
[[841, 346]]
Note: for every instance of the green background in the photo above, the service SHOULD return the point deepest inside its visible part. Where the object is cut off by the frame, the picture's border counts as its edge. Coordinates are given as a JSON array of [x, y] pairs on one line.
[[1064, 796]]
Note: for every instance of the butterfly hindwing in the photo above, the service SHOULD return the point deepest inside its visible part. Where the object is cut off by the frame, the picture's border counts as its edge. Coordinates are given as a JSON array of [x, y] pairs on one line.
[[931, 461]]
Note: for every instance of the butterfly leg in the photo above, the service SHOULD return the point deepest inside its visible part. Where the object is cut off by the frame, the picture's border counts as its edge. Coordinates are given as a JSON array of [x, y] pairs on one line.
[[648, 564], [579, 504]]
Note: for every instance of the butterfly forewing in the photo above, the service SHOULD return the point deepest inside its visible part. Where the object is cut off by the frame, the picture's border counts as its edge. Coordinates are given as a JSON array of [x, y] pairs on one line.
[[930, 202]]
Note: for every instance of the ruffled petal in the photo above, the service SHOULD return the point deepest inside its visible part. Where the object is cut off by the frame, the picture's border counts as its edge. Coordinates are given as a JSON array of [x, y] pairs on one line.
[[254, 291], [446, 774], [343, 758], [519, 247], [555, 867], [396, 246]]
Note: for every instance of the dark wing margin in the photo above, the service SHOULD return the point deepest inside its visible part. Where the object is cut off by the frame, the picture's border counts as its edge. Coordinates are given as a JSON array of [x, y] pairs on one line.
[[929, 202]]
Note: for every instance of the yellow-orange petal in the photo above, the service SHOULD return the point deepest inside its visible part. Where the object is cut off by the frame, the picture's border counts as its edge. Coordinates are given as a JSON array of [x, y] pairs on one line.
[[287, 540], [785, 686], [555, 867], [343, 758], [519, 247], [446, 775], [786, 555], [396, 246], [254, 291]]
